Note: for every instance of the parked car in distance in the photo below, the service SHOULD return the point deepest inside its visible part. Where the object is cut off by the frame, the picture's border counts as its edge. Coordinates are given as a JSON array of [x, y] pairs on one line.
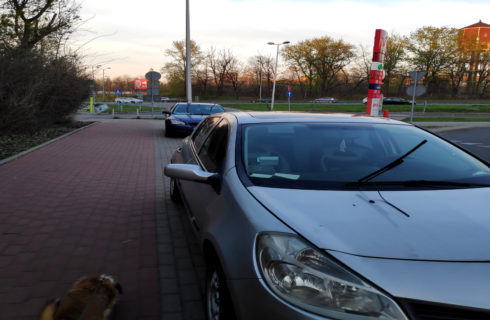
[[262, 100], [182, 118], [325, 100], [170, 99], [316, 216], [392, 100], [98, 107], [127, 100], [395, 100]]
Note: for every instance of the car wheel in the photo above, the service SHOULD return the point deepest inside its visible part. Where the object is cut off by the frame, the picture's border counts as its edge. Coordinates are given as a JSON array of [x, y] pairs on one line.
[[218, 300], [168, 131], [174, 191]]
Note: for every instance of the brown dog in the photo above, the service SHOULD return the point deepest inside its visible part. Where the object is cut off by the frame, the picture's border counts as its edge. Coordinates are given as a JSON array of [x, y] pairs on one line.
[[90, 298]]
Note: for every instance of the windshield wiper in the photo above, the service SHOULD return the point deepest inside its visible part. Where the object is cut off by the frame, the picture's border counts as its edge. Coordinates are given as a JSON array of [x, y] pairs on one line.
[[437, 183], [390, 165]]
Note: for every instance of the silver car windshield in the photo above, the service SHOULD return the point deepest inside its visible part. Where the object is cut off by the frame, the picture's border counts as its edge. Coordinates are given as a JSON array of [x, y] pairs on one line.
[[308, 155]]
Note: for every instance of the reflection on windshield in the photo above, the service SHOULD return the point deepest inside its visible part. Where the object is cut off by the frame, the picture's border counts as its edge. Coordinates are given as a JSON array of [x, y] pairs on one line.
[[197, 109], [304, 155]]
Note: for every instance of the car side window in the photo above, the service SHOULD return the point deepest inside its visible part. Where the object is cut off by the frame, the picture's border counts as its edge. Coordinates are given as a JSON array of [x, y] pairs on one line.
[[213, 151], [202, 131]]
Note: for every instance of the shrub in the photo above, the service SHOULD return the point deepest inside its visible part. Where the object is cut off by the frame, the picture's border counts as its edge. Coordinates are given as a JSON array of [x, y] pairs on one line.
[[37, 90]]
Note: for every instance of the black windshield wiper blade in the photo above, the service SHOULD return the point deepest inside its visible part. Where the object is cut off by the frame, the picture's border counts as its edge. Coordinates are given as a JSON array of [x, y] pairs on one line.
[[438, 183], [390, 165]]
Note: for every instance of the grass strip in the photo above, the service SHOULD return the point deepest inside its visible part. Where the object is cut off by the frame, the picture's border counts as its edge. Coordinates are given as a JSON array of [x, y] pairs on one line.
[[447, 119]]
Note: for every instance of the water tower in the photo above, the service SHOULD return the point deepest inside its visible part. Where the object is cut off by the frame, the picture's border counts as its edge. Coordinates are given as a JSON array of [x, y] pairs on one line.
[[475, 40]]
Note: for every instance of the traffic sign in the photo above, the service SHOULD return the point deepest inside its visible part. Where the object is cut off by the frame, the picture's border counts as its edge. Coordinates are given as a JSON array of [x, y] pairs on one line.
[[417, 75], [153, 75], [419, 90], [117, 91], [289, 94]]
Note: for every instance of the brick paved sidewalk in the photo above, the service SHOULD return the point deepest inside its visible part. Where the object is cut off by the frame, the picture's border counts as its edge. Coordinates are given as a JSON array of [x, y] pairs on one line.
[[92, 203]]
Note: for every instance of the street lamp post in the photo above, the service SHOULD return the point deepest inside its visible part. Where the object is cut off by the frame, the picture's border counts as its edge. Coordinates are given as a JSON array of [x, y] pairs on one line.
[[103, 83], [275, 71], [188, 79]]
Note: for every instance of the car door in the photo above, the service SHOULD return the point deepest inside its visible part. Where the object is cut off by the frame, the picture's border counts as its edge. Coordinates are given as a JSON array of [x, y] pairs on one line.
[[210, 154]]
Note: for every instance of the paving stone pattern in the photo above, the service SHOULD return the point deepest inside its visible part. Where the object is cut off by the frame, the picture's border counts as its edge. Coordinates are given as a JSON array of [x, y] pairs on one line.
[[97, 202]]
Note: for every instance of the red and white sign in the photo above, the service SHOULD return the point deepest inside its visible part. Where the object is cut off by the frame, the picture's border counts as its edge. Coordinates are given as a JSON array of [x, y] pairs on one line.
[[380, 41], [375, 97], [140, 84]]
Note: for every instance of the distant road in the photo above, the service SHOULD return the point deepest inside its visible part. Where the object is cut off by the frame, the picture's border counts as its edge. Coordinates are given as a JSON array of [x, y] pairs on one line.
[[475, 140]]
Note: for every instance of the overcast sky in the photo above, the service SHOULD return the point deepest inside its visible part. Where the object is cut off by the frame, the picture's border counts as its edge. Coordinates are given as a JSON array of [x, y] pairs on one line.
[[131, 37]]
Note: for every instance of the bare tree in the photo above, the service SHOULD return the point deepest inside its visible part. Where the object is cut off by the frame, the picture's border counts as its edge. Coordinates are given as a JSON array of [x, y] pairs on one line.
[[219, 63], [203, 76], [234, 76], [358, 75], [27, 23], [261, 67]]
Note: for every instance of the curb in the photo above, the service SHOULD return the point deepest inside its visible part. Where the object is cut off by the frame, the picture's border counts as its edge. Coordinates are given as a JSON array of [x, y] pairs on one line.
[[23, 153]]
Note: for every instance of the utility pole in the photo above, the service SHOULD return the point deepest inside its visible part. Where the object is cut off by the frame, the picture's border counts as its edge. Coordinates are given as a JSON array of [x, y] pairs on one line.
[[188, 78]]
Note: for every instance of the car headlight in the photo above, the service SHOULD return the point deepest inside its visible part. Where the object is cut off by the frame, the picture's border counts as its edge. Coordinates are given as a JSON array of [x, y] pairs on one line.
[[177, 122], [308, 279]]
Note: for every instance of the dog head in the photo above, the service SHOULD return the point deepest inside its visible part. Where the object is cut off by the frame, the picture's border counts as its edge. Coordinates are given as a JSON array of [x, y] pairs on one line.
[[92, 296]]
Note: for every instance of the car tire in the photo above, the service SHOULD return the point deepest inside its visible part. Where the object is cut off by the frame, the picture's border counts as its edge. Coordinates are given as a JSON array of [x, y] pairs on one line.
[[174, 191], [168, 132], [218, 300]]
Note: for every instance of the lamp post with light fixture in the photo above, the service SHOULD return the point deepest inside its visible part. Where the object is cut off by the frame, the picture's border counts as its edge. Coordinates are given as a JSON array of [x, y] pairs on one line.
[[275, 72], [188, 75]]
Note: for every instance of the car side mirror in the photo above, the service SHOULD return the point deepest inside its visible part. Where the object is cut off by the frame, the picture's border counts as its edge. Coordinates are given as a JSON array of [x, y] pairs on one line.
[[166, 112], [192, 172]]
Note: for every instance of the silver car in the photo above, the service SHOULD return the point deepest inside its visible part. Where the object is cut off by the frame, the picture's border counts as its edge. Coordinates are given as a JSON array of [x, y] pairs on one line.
[[304, 216]]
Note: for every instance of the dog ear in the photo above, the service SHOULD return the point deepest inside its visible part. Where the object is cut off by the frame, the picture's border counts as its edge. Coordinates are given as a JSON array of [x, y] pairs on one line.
[[118, 288]]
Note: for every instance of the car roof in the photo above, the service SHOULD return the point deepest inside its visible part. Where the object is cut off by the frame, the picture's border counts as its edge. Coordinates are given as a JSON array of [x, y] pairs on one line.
[[277, 117]]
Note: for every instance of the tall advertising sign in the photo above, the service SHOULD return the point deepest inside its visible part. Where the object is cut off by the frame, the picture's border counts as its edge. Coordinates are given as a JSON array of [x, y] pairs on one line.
[[375, 97], [140, 84]]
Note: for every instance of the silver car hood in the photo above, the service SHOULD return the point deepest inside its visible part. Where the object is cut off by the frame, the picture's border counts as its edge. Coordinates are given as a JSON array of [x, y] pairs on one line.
[[443, 225]]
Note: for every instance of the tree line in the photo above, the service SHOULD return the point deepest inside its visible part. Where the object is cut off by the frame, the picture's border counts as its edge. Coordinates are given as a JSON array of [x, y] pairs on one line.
[[326, 66]]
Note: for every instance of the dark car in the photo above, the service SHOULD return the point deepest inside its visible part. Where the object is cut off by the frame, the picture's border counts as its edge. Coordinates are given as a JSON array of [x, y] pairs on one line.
[[184, 117], [395, 101], [262, 100]]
